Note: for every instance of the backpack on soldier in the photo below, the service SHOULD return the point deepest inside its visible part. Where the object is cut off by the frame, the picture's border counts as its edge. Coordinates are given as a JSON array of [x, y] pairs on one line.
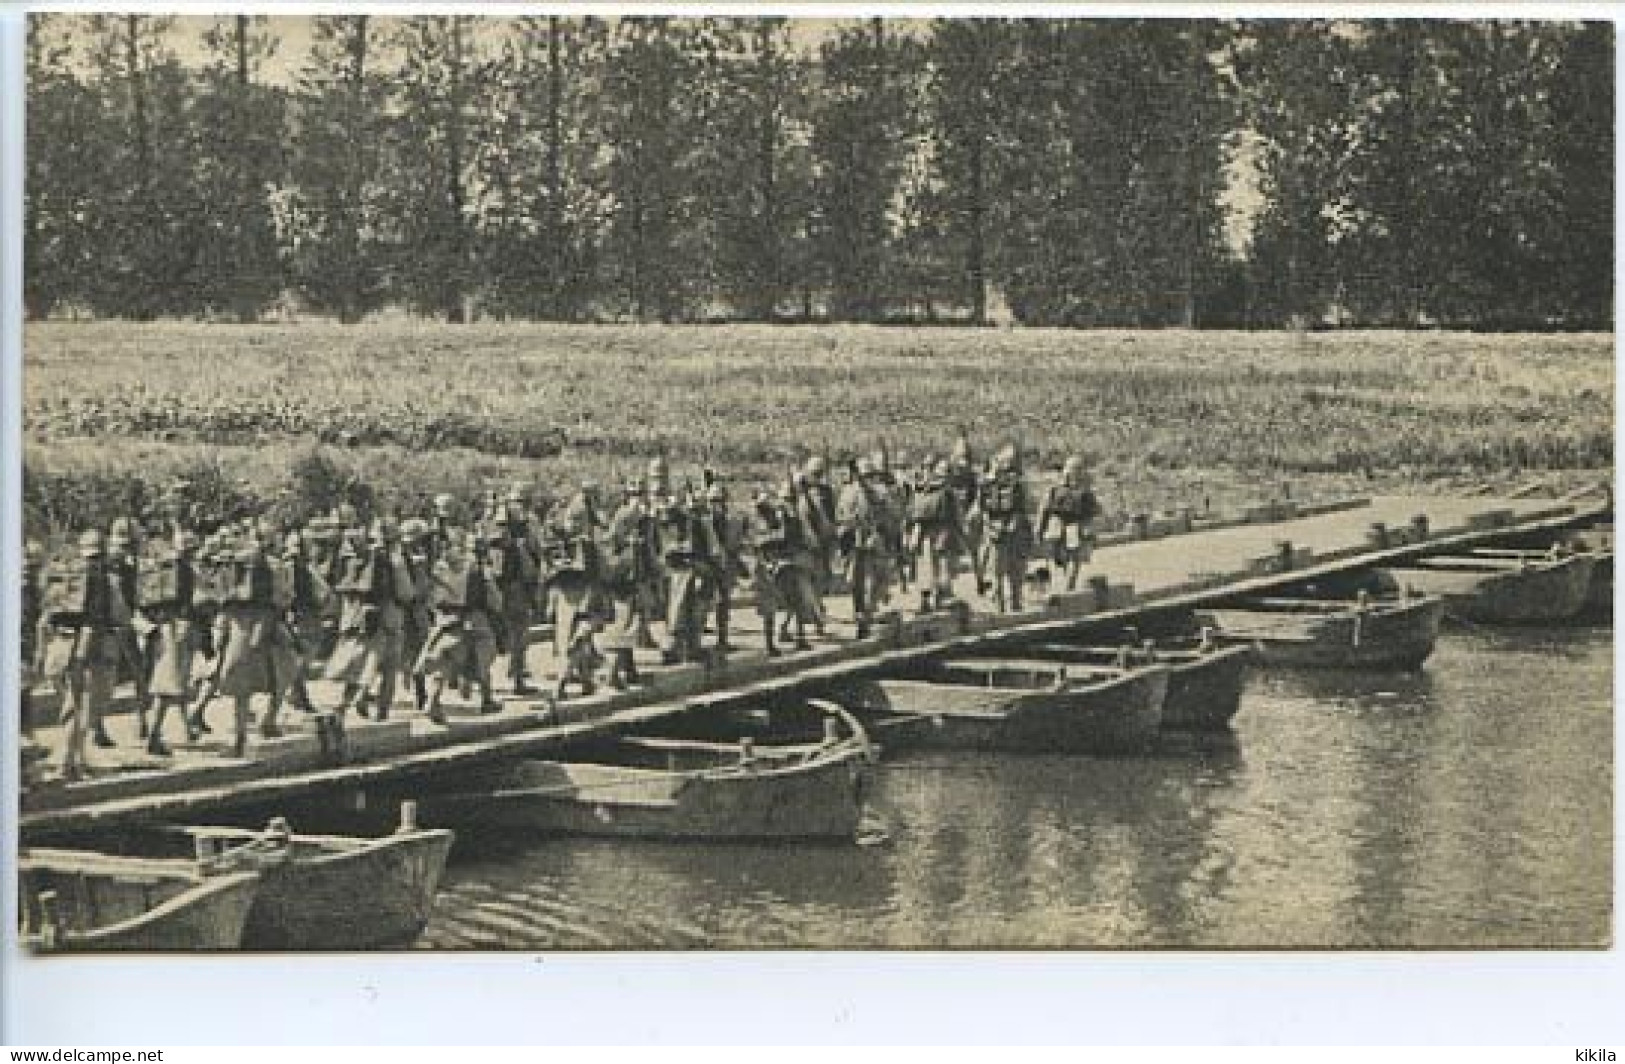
[[67, 593], [929, 507]]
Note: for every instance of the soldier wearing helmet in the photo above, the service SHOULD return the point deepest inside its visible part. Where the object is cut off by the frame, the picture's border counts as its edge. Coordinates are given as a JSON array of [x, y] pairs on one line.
[[686, 559], [1066, 520], [412, 561], [255, 653], [123, 561], [304, 595], [519, 571], [724, 547], [863, 517], [965, 481], [1005, 502], [817, 506], [629, 559], [936, 531], [169, 604], [573, 573], [466, 600], [83, 614], [372, 621]]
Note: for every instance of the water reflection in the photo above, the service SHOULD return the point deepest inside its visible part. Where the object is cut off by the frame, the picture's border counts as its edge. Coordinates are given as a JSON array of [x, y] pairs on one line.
[[1468, 804]]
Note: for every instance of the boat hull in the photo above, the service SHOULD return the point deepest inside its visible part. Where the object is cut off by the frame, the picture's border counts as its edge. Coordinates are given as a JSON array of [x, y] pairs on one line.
[[1542, 592], [370, 896], [818, 800], [1122, 717], [1204, 690], [209, 914], [1385, 635], [1204, 686]]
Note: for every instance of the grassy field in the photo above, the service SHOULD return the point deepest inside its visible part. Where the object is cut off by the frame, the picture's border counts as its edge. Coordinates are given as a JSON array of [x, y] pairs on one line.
[[289, 414]]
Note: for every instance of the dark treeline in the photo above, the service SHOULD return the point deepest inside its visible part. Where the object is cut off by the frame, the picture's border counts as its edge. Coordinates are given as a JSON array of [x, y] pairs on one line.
[[1061, 172]]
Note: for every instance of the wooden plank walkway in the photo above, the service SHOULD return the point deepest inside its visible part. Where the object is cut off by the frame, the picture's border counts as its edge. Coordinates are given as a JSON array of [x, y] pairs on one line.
[[1213, 560]]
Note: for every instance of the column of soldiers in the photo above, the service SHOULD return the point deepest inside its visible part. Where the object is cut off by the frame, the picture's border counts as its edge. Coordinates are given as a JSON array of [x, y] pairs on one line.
[[252, 610]]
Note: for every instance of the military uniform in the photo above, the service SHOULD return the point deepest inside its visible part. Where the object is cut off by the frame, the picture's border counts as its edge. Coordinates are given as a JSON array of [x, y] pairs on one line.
[[817, 509], [371, 626], [518, 570], [464, 596], [572, 579], [627, 563], [863, 516], [168, 603], [937, 533], [255, 650], [1009, 531], [966, 483], [1066, 522], [685, 559], [84, 613]]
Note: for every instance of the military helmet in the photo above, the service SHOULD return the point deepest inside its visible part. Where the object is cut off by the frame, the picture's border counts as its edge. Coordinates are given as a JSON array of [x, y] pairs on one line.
[[817, 467], [90, 543], [185, 540], [1073, 467], [444, 504], [865, 466], [293, 543], [634, 486], [414, 529]]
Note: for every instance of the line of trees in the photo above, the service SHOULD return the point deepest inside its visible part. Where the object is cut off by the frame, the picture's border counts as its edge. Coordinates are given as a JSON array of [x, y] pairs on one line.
[[1075, 172]]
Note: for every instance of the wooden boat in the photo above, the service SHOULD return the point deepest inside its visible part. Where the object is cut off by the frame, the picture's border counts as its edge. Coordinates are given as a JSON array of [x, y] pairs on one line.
[[1505, 587], [332, 892], [316, 892], [1205, 680], [78, 900], [663, 788], [1598, 541], [1018, 705], [1366, 633]]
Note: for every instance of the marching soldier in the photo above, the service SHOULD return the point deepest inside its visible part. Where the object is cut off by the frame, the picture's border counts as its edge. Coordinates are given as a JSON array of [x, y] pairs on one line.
[[123, 559], [1066, 520], [412, 572], [370, 624], [861, 515], [519, 569], [306, 613], [1008, 527], [465, 596], [168, 601], [657, 498], [254, 650], [793, 575], [627, 561], [572, 558], [683, 553], [770, 552], [937, 531], [441, 526], [818, 514], [723, 548], [84, 613], [965, 482]]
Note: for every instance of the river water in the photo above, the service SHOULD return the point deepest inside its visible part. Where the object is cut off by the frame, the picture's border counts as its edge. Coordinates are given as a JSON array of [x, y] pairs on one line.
[[1466, 806]]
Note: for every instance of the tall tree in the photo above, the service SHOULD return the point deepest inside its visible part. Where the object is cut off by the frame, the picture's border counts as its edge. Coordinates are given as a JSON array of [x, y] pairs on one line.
[[860, 127], [238, 125], [756, 147], [541, 170], [441, 80], [145, 212], [653, 108], [69, 137], [335, 225]]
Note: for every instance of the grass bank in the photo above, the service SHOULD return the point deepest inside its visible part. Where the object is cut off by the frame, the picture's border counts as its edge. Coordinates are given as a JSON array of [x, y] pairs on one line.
[[1169, 418]]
